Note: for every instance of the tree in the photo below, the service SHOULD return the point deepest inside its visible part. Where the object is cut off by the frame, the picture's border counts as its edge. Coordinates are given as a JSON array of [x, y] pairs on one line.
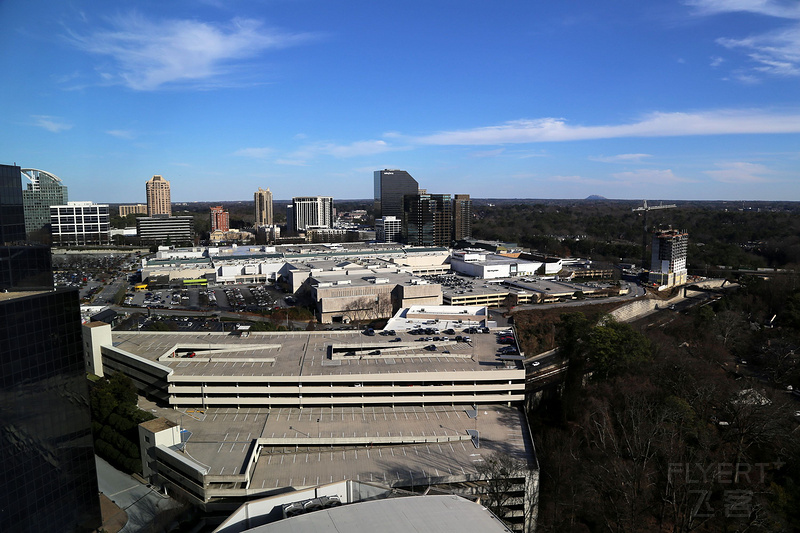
[[615, 346], [504, 478]]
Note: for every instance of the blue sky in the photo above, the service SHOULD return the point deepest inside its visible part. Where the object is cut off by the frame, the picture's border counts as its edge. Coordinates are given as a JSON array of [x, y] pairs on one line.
[[661, 99]]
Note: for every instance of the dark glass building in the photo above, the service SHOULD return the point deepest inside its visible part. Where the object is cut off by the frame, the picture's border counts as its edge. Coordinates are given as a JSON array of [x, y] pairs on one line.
[[12, 212], [390, 188], [25, 267], [47, 467], [21, 266], [427, 219]]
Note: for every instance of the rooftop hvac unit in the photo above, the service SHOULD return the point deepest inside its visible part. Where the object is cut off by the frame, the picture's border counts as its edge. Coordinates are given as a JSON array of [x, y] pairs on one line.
[[330, 501], [312, 505], [293, 509]]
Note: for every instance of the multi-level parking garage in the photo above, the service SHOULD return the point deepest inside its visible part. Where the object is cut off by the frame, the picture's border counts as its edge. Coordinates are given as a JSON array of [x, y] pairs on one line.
[[267, 411], [293, 369]]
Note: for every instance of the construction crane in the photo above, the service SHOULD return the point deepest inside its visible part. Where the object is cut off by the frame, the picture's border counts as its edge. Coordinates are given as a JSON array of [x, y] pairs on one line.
[[644, 209]]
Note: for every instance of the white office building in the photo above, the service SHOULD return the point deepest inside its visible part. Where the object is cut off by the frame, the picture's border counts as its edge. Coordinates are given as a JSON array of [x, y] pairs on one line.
[[389, 229], [312, 212], [79, 223]]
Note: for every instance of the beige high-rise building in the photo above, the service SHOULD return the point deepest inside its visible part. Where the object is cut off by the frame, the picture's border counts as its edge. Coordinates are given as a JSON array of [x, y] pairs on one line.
[[158, 198], [263, 200]]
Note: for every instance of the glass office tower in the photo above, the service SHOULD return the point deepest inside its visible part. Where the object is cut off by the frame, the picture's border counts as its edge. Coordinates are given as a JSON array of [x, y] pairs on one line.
[[390, 188], [428, 219], [47, 468]]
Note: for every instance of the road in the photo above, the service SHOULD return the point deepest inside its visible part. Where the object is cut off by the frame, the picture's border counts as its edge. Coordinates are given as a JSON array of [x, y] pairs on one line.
[[636, 291], [140, 502]]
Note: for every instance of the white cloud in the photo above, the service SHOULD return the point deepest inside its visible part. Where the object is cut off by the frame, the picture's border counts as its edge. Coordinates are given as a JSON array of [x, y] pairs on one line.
[[258, 153], [649, 177], [354, 149], [621, 158], [654, 125], [716, 61], [488, 153], [147, 55], [775, 53], [581, 180], [122, 134], [773, 8], [739, 172], [53, 124]]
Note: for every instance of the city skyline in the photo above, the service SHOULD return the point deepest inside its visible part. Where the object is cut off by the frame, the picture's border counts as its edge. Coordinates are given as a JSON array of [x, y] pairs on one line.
[[681, 99]]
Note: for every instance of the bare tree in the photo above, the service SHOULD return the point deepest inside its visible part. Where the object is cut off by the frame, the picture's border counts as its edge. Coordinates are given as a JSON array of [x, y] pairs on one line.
[[359, 309], [506, 479]]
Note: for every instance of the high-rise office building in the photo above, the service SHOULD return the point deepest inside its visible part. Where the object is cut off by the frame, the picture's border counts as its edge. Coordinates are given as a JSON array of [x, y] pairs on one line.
[[390, 188], [45, 189], [12, 212], [668, 260], [263, 213], [48, 467], [22, 266], [389, 229], [428, 219], [312, 212], [158, 196], [80, 223], [462, 217], [220, 219], [290, 220]]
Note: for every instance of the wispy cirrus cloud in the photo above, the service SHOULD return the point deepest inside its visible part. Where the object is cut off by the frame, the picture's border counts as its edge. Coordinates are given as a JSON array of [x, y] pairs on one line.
[[633, 178], [121, 134], [258, 153], [487, 153], [291, 162], [354, 149], [146, 55], [649, 176], [740, 172], [722, 122], [50, 123], [772, 8], [620, 158], [774, 53]]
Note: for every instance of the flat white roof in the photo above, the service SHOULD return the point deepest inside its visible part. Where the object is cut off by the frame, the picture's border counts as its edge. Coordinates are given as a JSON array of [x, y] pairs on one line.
[[421, 514]]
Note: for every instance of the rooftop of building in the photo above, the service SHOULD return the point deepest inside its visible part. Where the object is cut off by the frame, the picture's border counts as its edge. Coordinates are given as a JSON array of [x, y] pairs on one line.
[[17, 294], [421, 514], [221, 439], [307, 354], [294, 251], [158, 424]]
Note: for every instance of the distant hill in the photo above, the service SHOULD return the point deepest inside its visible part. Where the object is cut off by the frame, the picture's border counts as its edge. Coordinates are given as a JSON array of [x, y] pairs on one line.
[[596, 197]]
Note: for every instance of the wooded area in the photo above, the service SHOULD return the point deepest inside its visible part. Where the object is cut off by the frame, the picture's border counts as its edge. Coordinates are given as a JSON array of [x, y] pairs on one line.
[[685, 425]]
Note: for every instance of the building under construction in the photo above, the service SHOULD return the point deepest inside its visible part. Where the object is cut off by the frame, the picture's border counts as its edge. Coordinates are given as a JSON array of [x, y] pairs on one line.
[[668, 260]]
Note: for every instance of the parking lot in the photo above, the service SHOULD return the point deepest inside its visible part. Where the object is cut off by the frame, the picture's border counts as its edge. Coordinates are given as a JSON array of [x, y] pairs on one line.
[[231, 298]]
